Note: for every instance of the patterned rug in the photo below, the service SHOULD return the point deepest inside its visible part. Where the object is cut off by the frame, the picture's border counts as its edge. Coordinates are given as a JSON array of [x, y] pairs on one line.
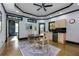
[[27, 50]]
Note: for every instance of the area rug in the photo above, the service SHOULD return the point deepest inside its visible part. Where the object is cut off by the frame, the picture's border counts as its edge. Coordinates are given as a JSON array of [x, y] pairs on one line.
[[27, 50]]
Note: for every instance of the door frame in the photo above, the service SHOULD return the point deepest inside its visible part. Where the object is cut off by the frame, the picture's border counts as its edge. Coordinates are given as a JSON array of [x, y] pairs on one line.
[[8, 29], [6, 34], [44, 27]]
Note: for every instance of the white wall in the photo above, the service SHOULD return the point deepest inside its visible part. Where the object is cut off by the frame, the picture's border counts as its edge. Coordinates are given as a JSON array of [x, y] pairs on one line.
[[22, 28], [72, 29], [2, 33], [25, 32]]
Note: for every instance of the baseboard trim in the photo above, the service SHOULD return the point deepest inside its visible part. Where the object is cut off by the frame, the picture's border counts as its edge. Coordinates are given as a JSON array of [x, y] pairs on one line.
[[23, 38], [72, 42], [5, 40]]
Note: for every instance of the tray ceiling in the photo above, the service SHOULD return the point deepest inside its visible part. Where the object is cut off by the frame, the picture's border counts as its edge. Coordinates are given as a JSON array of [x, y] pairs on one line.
[[30, 8], [46, 10]]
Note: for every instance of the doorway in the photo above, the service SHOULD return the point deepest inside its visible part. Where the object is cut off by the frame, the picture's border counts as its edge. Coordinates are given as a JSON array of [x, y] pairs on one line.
[[13, 28], [41, 28]]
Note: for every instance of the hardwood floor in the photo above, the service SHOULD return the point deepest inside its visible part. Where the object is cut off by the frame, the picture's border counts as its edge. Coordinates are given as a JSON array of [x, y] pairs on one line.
[[11, 48], [67, 49]]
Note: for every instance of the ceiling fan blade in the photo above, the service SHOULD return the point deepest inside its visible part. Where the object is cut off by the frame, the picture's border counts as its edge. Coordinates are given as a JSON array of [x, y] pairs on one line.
[[44, 8], [38, 9], [48, 6], [37, 5]]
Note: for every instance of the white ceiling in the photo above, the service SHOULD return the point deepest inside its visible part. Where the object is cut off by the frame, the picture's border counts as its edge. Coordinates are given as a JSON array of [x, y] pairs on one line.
[[30, 8]]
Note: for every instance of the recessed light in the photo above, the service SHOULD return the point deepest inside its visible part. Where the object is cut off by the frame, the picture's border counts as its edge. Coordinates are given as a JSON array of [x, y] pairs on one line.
[[17, 11]]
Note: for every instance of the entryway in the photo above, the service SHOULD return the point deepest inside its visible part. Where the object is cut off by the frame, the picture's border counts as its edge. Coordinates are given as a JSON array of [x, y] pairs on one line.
[[13, 28], [41, 28]]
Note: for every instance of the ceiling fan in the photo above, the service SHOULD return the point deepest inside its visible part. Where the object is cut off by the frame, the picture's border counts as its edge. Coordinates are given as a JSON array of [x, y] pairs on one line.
[[42, 6]]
